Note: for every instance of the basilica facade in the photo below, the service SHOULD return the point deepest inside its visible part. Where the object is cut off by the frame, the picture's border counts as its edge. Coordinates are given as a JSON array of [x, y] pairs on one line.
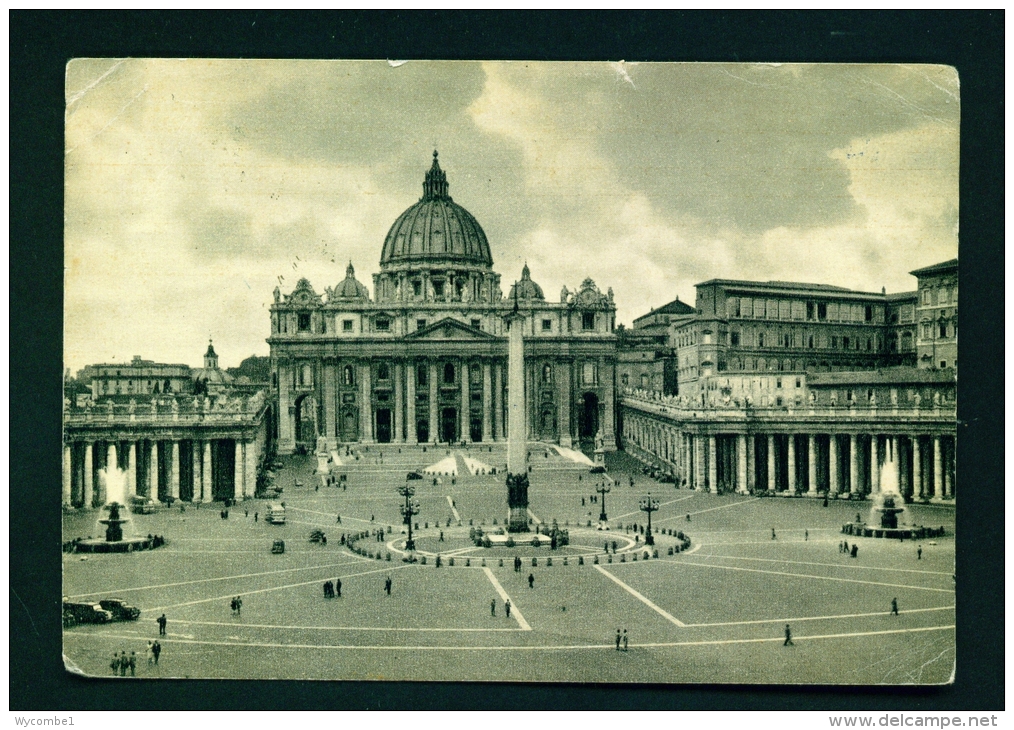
[[424, 360]]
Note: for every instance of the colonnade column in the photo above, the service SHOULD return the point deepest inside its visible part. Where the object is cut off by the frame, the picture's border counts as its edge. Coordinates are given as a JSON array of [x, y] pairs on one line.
[[699, 463], [751, 463], [713, 463], [67, 472], [791, 486], [250, 465], [206, 474], [811, 464], [365, 404], [238, 472], [916, 469], [937, 464], [434, 426], [874, 464], [174, 483], [132, 470], [330, 414], [771, 463], [487, 406], [411, 436], [466, 404], [498, 434], [854, 464], [832, 464], [563, 419], [89, 486], [153, 472], [399, 400], [949, 457], [741, 464]]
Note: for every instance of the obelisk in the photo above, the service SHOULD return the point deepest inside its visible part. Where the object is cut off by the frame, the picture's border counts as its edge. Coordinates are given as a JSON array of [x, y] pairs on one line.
[[517, 441]]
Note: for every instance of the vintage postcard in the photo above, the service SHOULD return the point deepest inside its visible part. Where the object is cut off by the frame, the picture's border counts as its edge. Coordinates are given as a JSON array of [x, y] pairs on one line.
[[506, 371]]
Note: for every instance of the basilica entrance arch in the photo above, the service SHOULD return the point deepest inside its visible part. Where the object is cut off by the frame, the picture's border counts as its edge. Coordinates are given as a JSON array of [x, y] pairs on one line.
[[449, 425], [306, 421], [384, 425], [589, 416]]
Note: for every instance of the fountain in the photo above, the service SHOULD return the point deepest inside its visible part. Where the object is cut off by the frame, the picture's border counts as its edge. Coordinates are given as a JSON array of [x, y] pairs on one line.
[[888, 513], [113, 526]]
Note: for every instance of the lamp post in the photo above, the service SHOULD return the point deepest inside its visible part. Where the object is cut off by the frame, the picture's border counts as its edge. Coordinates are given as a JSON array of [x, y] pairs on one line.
[[409, 510], [603, 490], [649, 505]]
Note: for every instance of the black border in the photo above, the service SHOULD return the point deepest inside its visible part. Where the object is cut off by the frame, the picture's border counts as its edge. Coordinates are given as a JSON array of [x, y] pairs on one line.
[[42, 42]]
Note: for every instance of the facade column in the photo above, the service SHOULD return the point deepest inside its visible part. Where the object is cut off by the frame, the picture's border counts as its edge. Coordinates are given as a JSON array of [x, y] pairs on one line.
[[751, 463], [949, 456], [89, 476], [498, 434], [741, 464], [330, 400], [153, 472], [874, 464], [237, 492], [811, 464], [250, 465], [487, 402], [399, 403], [608, 429], [792, 464], [713, 463], [174, 483], [132, 470], [902, 467], [411, 436], [365, 404], [206, 494], [937, 469], [466, 404], [854, 464], [917, 492], [832, 464], [434, 425], [286, 437], [771, 463], [699, 471], [564, 395], [67, 472]]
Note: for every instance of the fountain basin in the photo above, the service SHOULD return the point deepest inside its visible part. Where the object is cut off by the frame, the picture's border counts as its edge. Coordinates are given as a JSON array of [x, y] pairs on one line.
[[906, 532], [126, 545]]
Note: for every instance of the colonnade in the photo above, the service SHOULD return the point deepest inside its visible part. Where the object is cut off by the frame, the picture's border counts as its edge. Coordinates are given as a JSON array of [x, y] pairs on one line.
[[794, 461]]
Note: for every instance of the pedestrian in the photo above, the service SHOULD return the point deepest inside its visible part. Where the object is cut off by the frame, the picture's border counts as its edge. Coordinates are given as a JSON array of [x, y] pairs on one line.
[[123, 663], [339, 520], [840, 548], [441, 536], [806, 534], [115, 664], [618, 639], [855, 550], [531, 580], [232, 606], [894, 606], [507, 607], [161, 624], [387, 585], [846, 547], [338, 587], [772, 533], [239, 605], [918, 553], [246, 511], [688, 517], [625, 639], [256, 516], [156, 650], [150, 653], [788, 636], [132, 663], [492, 607]]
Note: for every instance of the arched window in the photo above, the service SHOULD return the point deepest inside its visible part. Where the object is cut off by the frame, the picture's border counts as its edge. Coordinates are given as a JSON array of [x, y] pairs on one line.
[[167, 387], [421, 375], [449, 373], [383, 372]]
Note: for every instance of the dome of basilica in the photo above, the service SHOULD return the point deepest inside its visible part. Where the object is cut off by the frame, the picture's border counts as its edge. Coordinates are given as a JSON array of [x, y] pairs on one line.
[[349, 288], [526, 288], [436, 229]]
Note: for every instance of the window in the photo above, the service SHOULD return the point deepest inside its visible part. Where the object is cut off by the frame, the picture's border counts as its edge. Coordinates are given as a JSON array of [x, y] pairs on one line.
[[438, 288], [869, 313], [845, 343], [707, 338], [760, 340], [547, 325], [778, 401], [644, 380], [588, 373], [420, 324], [809, 311], [943, 330], [346, 325], [943, 364], [809, 342], [305, 375], [925, 296], [625, 379], [417, 288], [799, 382], [588, 321], [778, 383], [383, 325], [383, 372], [421, 375], [732, 306], [787, 340], [869, 344], [274, 379], [449, 373], [303, 321], [323, 324], [477, 324]]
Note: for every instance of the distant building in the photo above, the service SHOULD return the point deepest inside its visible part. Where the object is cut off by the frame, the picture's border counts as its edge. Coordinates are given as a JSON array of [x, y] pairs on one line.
[[937, 315]]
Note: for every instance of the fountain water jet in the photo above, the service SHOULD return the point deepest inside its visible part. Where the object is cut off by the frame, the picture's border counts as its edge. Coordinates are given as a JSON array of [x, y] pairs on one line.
[[113, 526]]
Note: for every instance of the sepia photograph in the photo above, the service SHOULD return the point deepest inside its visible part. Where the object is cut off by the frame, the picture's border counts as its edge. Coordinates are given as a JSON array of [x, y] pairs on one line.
[[506, 371]]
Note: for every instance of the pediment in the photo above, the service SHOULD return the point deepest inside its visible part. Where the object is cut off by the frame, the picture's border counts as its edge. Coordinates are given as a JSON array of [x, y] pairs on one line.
[[450, 329]]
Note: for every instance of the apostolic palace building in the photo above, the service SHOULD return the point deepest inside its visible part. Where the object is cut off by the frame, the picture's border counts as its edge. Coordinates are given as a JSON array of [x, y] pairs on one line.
[[780, 388]]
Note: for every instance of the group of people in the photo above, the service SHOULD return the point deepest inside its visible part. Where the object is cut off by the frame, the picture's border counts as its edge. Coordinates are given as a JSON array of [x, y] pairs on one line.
[[843, 547], [506, 607], [333, 590], [236, 604], [621, 639], [121, 663]]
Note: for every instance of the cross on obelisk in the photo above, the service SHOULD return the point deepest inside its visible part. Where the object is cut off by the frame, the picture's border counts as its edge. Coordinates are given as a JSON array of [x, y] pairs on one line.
[[517, 440]]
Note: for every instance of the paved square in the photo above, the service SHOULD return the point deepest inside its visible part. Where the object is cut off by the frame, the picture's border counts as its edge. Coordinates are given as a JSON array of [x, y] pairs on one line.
[[715, 613]]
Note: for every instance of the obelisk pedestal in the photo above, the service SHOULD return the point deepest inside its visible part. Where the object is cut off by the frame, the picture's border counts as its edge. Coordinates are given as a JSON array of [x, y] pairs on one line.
[[517, 444]]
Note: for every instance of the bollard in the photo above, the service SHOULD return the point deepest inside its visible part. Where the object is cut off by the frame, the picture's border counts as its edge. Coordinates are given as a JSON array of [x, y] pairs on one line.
[[623, 558], [596, 561], [549, 562], [388, 558], [451, 562], [423, 561], [501, 562], [670, 551], [535, 562], [580, 559], [468, 562]]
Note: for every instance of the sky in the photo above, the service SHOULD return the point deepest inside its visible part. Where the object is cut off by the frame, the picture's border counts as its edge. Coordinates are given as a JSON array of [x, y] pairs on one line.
[[194, 187]]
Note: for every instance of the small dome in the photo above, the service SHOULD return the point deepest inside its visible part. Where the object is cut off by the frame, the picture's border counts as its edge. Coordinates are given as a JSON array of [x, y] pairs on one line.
[[350, 288], [526, 288], [436, 229]]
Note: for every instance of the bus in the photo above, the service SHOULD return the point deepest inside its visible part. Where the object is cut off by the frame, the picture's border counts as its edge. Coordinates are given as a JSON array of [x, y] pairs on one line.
[[276, 513]]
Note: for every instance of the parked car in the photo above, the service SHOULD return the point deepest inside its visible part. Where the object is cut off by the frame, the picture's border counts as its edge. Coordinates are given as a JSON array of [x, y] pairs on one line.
[[318, 536], [142, 505], [411, 475], [597, 470], [278, 547], [86, 613], [276, 513], [120, 609]]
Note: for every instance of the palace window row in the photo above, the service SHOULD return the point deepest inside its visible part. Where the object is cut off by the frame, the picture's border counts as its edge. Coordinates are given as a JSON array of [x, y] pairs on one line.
[[800, 310]]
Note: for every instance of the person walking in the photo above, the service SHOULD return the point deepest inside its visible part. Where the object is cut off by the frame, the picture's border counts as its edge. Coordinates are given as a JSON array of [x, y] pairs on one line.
[[918, 553], [507, 607], [625, 639], [788, 636], [150, 654], [132, 663], [338, 587], [239, 605], [894, 606], [855, 550], [115, 664], [387, 585], [162, 621], [156, 650], [531, 580], [256, 516], [618, 639], [492, 607], [806, 535], [772, 533]]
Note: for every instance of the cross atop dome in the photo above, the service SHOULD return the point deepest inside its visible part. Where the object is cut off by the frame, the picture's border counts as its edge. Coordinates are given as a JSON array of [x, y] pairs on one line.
[[435, 185], [350, 272]]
